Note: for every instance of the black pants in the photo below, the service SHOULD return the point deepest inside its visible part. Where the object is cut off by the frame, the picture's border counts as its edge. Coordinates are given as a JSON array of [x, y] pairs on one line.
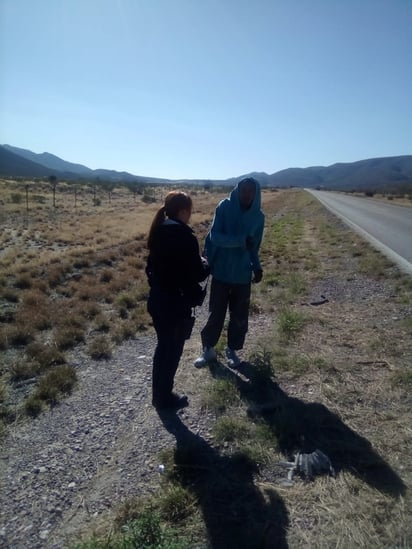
[[171, 320], [222, 296]]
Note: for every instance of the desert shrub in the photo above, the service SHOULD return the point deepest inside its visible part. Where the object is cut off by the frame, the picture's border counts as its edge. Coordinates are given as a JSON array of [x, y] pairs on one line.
[[23, 281], [123, 313], [145, 532], [124, 330], [90, 310], [58, 381], [10, 295], [176, 503], [33, 298], [106, 275], [16, 198], [148, 198], [136, 263], [290, 323], [140, 317], [220, 395], [55, 275], [21, 370], [33, 406], [3, 339], [100, 348], [228, 429], [101, 323], [18, 334], [67, 336], [126, 300], [45, 355], [88, 290], [36, 310]]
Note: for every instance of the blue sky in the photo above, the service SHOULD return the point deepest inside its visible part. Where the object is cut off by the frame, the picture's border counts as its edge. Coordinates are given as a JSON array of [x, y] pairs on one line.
[[206, 88]]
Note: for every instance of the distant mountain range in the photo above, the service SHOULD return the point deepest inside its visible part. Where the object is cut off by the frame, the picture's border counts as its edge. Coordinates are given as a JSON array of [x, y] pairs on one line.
[[373, 173]]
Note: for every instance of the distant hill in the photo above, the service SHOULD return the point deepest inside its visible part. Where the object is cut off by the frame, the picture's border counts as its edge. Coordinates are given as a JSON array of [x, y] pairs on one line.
[[12, 164], [373, 173], [53, 165]]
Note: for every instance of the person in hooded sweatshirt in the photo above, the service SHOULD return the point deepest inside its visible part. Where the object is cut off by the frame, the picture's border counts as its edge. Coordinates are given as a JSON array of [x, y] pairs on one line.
[[174, 269], [232, 247]]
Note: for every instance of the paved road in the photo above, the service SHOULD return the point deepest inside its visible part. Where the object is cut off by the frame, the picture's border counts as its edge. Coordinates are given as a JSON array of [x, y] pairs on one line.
[[387, 226]]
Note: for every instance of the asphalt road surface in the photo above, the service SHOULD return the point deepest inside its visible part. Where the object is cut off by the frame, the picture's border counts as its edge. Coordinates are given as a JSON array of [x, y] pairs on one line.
[[386, 226]]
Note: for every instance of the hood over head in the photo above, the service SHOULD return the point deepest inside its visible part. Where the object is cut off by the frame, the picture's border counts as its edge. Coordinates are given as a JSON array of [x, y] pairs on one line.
[[235, 196]]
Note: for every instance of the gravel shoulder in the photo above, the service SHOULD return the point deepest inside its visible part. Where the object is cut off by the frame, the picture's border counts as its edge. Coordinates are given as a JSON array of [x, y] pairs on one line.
[[98, 447]]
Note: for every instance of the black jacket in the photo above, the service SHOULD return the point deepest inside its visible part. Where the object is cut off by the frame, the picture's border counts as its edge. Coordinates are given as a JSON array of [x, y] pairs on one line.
[[174, 263]]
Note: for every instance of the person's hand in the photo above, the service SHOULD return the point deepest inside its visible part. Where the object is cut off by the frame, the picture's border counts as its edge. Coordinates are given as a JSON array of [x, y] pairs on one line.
[[257, 276], [204, 261], [249, 242]]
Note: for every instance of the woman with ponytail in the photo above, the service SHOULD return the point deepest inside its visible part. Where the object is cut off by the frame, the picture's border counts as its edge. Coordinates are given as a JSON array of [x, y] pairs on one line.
[[174, 270]]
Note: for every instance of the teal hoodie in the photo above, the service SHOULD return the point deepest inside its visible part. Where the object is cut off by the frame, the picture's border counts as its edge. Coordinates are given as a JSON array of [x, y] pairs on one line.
[[225, 247]]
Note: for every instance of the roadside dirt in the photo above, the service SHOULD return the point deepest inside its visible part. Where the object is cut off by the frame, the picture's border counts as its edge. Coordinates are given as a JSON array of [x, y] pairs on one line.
[[65, 472]]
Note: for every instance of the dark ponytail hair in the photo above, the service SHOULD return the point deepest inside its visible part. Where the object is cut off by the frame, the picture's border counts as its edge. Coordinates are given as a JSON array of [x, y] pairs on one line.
[[175, 202]]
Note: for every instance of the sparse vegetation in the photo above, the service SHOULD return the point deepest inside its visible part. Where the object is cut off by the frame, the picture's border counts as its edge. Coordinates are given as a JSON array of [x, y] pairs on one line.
[[332, 373], [69, 270]]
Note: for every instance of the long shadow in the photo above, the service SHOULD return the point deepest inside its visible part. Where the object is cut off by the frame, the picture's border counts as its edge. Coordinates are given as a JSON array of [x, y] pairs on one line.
[[305, 427], [236, 513]]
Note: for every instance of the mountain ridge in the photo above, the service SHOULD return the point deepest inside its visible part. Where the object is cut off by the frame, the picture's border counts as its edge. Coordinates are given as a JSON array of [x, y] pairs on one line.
[[362, 174]]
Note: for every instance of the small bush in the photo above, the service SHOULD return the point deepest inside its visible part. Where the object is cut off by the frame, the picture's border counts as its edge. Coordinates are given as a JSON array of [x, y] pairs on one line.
[[290, 323], [21, 370], [106, 276], [16, 198], [228, 429], [90, 310], [145, 532], [10, 296], [100, 348], [45, 355], [176, 503], [67, 337], [126, 301], [23, 281], [19, 334], [101, 323], [262, 364], [33, 406], [81, 263], [55, 275], [55, 383], [403, 379], [124, 331], [220, 395]]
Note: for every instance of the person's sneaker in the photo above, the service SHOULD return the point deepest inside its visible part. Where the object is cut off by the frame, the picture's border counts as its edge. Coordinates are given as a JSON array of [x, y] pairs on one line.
[[174, 401], [208, 355], [233, 361]]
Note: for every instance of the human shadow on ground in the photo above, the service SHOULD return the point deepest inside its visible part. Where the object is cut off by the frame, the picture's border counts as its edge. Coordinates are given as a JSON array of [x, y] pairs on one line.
[[236, 512], [307, 426]]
